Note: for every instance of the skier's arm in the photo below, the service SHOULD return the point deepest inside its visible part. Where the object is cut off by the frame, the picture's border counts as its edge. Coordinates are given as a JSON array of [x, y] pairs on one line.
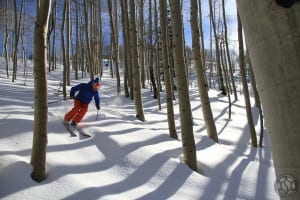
[[75, 89]]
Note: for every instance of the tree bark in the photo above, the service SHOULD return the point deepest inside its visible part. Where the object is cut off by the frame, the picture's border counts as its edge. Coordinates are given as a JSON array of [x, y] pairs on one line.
[[64, 51], [188, 141], [136, 67], [76, 57], [228, 52], [54, 36], [16, 34], [87, 40], [257, 104], [151, 52], [202, 86], [114, 41], [126, 53], [245, 85], [157, 56], [272, 37], [224, 66], [68, 34], [39, 146], [166, 65], [6, 39], [218, 60], [141, 44]]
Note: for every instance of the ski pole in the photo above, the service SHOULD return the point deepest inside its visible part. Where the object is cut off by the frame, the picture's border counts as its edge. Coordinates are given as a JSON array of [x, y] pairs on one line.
[[56, 101], [97, 115]]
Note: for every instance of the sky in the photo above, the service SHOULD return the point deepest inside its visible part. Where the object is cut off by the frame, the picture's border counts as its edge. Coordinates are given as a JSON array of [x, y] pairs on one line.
[[126, 158]]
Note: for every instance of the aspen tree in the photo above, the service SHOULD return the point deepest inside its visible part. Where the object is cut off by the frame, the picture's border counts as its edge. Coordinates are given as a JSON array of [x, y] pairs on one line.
[[166, 65], [202, 86], [136, 68], [272, 38], [245, 86], [186, 121], [39, 146]]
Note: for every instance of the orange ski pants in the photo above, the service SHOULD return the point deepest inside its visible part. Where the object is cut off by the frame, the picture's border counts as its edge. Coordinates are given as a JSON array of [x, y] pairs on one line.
[[77, 112]]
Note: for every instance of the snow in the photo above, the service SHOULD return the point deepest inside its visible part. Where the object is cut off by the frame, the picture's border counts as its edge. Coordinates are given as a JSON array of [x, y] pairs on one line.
[[126, 158]]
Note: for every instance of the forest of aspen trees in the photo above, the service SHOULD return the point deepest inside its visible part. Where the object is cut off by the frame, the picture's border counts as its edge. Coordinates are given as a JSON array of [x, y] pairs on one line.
[[146, 40]]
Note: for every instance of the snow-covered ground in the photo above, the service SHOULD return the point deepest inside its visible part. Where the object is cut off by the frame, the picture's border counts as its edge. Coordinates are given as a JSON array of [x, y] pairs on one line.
[[126, 158]]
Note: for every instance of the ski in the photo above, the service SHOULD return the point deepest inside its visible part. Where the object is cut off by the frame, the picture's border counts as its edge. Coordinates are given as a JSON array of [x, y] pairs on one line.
[[69, 129], [82, 132], [76, 131]]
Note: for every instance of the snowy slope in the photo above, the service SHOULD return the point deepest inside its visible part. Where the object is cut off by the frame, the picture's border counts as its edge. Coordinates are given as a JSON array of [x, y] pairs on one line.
[[126, 158]]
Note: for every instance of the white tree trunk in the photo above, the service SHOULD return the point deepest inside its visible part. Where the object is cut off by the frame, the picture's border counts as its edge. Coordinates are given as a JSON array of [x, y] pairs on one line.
[[166, 64], [272, 35], [186, 121], [136, 68], [202, 86], [39, 146]]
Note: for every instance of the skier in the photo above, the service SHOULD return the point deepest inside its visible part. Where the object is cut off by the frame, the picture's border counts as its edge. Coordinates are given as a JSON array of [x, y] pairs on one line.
[[81, 101]]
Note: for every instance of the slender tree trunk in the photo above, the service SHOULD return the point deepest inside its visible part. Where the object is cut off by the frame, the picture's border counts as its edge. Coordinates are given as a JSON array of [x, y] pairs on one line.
[[24, 47], [141, 43], [100, 38], [188, 142], [225, 69], [116, 48], [111, 62], [130, 57], [77, 54], [228, 52], [87, 40], [16, 42], [50, 29], [54, 37], [211, 66], [202, 36], [218, 61], [114, 41], [157, 57], [151, 52], [202, 86], [68, 34], [39, 146], [91, 32], [126, 45], [257, 103], [136, 67], [15, 47], [64, 51], [6, 39], [202, 45], [245, 86], [166, 65], [171, 57], [82, 48]]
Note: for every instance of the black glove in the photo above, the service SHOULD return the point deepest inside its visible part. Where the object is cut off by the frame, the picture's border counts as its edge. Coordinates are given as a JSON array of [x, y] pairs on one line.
[[72, 97], [98, 107]]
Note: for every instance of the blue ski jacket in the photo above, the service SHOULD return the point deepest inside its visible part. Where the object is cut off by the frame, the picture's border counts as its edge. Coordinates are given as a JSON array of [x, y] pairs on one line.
[[86, 93]]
